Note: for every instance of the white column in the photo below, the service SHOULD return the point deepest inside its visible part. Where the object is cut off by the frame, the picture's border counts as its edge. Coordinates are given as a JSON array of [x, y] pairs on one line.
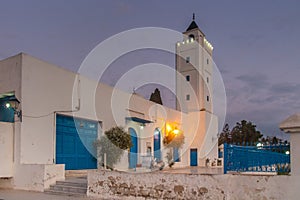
[[292, 126]]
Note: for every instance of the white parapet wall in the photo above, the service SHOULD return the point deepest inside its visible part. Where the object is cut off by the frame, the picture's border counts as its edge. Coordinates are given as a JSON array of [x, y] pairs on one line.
[[158, 185], [37, 177], [6, 150], [34, 177]]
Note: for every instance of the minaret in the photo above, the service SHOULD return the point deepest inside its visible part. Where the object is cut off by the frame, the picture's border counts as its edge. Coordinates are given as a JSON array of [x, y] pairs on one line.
[[194, 66]]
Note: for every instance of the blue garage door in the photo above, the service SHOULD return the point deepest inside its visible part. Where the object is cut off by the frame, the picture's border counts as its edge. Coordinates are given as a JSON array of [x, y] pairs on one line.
[[193, 157], [74, 142], [134, 149]]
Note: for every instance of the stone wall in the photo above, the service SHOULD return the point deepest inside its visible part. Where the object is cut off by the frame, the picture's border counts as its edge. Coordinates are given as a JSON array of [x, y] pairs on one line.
[[121, 185]]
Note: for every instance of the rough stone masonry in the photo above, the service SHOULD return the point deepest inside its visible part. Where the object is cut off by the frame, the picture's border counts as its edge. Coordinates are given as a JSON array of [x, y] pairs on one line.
[[158, 185]]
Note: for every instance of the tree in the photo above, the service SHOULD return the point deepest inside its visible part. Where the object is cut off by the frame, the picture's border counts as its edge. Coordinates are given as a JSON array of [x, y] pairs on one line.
[[171, 141], [245, 132], [176, 141], [225, 135], [155, 97], [113, 143]]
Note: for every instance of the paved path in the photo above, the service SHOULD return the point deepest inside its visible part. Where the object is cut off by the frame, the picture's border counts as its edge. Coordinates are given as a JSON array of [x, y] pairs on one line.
[[195, 170], [25, 195]]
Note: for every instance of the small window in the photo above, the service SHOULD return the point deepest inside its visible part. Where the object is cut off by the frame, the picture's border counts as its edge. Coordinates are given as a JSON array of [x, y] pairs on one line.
[[187, 97], [207, 98], [188, 78], [191, 36], [207, 61], [187, 59], [207, 79]]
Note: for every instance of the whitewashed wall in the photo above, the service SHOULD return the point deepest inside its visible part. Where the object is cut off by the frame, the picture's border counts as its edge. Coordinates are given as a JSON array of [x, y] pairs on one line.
[[47, 88], [6, 149]]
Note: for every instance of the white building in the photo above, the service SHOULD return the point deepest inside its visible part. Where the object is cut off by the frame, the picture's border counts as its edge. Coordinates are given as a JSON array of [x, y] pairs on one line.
[[61, 114]]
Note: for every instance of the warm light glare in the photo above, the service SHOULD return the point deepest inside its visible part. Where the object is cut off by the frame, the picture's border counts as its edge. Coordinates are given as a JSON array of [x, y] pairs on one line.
[[176, 131], [168, 127], [287, 152], [7, 105]]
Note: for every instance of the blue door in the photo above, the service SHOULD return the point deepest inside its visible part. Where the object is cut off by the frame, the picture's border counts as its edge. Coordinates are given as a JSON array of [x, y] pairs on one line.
[[74, 142], [176, 155], [193, 157], [156, 144], [134, 149]]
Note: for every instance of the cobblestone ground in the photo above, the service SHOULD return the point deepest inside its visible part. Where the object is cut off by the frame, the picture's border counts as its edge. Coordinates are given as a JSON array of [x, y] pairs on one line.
[[25, 195]]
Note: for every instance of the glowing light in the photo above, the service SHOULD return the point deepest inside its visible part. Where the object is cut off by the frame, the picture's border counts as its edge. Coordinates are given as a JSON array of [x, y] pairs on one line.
[[259, 145], [178, 44], [176, 131], [142, 127], [287, 152], [7, 105], [168, 127], [187, 41]]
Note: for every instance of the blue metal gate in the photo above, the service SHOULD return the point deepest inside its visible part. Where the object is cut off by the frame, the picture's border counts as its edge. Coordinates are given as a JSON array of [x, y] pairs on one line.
[[254, 159], [193, 157], [156, 141], [134, 149], [74, 142]]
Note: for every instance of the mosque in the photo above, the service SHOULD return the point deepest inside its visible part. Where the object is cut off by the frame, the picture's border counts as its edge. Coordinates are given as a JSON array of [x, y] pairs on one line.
[[50, 117]]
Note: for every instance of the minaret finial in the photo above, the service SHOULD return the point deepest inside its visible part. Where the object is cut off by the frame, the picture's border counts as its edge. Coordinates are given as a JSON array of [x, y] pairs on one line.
[[193, 16]]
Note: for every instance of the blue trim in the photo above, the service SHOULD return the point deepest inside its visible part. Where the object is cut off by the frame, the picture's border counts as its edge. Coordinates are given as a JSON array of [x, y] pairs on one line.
[[176, 155], [6, 114], [193, 157], [134, 149], [156, 144], [139, 120]]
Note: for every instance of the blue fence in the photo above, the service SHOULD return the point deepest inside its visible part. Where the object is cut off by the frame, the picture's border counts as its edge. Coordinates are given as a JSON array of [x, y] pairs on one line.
[[255, 159]]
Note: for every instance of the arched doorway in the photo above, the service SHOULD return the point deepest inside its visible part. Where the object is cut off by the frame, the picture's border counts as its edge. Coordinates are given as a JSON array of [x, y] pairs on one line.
[[133, 149], [156, 144]]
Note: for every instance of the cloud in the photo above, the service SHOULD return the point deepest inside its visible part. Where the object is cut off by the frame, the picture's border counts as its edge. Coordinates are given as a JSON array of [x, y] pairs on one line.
[[285, 88], [254, 80]]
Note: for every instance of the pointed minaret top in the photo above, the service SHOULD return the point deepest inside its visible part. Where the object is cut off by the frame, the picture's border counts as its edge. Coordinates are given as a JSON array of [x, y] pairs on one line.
[[193, 25]]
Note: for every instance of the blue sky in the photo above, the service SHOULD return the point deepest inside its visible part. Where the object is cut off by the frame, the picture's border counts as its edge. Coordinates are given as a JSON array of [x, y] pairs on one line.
[[255, 44]]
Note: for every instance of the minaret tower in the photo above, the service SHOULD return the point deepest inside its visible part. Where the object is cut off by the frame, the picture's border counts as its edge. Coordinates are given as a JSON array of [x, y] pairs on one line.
[[194, 85], [194, 66]]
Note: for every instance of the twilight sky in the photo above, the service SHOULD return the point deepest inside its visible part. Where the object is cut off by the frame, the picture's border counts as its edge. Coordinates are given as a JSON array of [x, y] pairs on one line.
[[255, 44]]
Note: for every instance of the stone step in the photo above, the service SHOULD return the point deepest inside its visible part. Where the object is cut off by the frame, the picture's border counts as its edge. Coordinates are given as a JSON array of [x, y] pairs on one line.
[[72, 186], [55, 192], [72, 189]]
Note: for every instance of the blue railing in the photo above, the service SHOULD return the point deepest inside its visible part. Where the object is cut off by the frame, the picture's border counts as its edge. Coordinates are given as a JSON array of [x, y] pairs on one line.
[[254, 159]]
